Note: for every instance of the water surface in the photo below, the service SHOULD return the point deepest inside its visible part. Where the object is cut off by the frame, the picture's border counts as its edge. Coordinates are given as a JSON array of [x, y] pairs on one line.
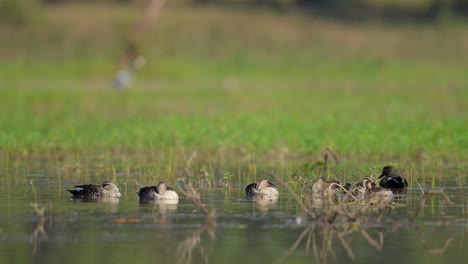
[[126, 231]]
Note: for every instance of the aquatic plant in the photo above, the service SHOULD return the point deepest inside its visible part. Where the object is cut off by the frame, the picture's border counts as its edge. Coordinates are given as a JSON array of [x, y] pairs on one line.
[[186, 247], [187, 188]]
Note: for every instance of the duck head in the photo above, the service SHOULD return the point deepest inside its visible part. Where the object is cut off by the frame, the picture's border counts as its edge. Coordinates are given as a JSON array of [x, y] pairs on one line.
[[319, 185], [161, 188], [348, 186], [387, 170], [262, 183], [109, 186], [368, 183], [334, 185]]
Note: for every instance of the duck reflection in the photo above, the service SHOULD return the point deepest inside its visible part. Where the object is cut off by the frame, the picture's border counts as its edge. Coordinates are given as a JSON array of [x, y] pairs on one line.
[[159, 202], [109, 205], [159, 209], [264, 203]]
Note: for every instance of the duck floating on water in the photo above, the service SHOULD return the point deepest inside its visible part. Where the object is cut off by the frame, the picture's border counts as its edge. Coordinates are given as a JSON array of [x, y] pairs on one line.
[[376, 194], [105, 190], [322, 189], [358, 190], [262, 188], [391, 180], [159, 192], [368, 189]]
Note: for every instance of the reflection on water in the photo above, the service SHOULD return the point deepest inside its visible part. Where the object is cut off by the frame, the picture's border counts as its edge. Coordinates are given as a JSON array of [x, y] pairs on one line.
[[47, 226], [186, 248], [159, 211], [95, 200], [264, 203], [110, 205]]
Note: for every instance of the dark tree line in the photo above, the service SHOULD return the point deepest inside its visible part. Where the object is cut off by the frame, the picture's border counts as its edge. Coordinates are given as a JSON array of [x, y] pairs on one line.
[[23, 10], [359, 8], [338, 6]]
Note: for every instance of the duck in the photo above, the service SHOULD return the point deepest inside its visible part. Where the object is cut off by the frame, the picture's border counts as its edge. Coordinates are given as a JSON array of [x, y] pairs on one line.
[[158, 192], [261, 188], [391, 180], [358, 190], [105, 190], [323, 189], [374, 193]]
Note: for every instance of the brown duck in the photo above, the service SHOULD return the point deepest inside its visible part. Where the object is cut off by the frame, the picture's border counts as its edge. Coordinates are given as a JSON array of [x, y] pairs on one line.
[[105, 190]]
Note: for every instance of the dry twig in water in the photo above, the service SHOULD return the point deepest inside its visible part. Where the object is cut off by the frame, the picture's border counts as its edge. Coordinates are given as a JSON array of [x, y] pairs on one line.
[[188, 245], [188, 190], [39, 231]]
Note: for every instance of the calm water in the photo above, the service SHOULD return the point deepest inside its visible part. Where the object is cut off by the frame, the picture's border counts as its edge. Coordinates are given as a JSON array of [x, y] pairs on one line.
[[246, 231]]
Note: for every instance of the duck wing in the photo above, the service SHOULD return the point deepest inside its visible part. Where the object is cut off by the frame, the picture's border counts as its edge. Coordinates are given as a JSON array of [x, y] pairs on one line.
[[396, 182], [146, 191], [272, 185], [249, 190], [86, 190]]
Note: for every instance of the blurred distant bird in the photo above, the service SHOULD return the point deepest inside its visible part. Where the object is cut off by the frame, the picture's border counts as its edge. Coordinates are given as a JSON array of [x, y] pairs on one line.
[[123, 78], [129, 62], [131, 59]]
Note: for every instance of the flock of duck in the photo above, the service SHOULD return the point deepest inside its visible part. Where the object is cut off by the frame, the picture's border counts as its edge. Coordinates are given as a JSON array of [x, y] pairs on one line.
[[390, 182]]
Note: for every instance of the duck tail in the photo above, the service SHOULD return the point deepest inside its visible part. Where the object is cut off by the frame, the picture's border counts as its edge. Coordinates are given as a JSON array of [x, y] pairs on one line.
[[405, 183], [74, 192]]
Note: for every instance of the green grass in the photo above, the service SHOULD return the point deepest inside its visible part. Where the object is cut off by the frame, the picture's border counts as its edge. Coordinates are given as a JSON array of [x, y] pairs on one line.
[[240, 94]]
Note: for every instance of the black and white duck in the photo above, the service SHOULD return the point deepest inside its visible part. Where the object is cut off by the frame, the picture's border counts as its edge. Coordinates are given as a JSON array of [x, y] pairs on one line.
[[158, 192], [391, 180]]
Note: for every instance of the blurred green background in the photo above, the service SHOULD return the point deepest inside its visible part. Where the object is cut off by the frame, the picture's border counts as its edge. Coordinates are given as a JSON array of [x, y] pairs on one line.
[[235, 81]]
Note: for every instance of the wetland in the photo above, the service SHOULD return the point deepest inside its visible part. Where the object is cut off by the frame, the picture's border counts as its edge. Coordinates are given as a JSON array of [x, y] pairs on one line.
[[221, 103]]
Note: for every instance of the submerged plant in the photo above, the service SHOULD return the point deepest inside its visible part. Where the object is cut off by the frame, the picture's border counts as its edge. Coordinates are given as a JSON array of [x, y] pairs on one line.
[[186, 247], [39, 232], [187, 188]]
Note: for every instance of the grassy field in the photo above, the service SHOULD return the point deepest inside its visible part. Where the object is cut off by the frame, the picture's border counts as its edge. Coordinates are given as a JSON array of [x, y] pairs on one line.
[[231, 89]]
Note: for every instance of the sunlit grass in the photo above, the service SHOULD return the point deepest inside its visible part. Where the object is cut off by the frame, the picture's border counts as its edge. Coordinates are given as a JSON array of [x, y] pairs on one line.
[[238, 97]]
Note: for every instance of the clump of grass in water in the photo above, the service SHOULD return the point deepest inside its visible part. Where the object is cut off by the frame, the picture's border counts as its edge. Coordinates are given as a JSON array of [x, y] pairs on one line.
[[319, 234], [337, 220], [332, 220], [187, 188], [300, 180]]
